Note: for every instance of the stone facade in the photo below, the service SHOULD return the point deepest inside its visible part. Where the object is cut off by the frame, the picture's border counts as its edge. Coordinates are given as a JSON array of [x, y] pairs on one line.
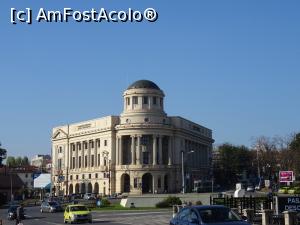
[[139, 151]]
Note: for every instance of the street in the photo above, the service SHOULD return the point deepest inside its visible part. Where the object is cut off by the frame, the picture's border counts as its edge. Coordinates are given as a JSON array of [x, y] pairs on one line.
[[34, 217]]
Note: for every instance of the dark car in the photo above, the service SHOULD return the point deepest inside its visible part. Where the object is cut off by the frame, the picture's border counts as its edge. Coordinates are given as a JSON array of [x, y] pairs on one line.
[[51, 206], [12, 212], [211, 214]]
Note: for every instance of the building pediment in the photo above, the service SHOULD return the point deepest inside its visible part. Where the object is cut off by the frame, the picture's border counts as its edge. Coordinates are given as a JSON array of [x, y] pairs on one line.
[[59, 134]]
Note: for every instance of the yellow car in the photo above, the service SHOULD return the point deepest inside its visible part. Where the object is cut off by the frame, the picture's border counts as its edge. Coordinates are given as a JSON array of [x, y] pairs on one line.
[[77, 213]]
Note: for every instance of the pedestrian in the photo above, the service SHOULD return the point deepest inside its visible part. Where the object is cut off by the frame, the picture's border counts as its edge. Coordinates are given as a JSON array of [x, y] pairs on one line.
[[20, 214]]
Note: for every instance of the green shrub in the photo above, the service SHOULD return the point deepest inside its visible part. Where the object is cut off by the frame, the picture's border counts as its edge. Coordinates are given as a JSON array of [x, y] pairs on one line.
[[105, 202], [169, 202], [198, 202]]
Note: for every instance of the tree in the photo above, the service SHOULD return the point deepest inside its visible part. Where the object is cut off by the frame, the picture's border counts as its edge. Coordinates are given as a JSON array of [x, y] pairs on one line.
[[3, 155], [25, 161], [295, 152], [18, 161], [10, 161], [233, 161]]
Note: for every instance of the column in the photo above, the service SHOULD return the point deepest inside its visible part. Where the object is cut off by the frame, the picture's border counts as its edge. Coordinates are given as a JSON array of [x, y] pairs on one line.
[[160, 150], [70, 156], [82, 155], [76, 155], [121, 151], [117, 151], [154, 149], [138, 151], [133, 150], [170, 151]]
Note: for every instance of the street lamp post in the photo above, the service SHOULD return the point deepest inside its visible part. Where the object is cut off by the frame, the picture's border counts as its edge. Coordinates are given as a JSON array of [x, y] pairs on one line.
[[182, 169], [105, 156]]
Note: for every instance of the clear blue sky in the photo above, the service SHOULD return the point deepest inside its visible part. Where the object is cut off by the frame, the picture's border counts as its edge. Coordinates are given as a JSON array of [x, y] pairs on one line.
[[233, 66]]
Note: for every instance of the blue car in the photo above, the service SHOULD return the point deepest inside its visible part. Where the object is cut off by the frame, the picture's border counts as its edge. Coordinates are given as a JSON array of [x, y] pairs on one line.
[[210, 214]]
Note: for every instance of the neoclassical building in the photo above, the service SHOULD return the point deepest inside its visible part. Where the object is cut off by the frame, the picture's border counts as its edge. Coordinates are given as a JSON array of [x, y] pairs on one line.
[[140, 151]]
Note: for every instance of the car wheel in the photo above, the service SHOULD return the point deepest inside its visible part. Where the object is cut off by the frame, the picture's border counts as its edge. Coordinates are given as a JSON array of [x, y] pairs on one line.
[[65, 221]]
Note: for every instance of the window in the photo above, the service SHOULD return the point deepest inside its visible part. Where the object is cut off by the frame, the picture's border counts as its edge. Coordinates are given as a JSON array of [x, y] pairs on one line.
[[92, 162], [98, 159], [145, 157], [73, 163], [145, 100], [73, 147], [91, 144], [96, 175], [127, 101], [71, 177], [85, 146], [135, 182], [135, 100], [59, 164], [146, 120], [76, 177], [85, 161], [78, 146], [98, 143], [79, 161], [82, 177], [90, 176], [154, 100], [60, 149], [105, 142], [159, 183]]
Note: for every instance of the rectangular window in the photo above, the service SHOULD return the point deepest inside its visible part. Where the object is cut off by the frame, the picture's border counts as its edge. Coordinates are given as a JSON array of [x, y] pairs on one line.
[[145, 100], [76, 177], [85, 146], [127, 101], [90, 176], [73, 163], [78, 146], [159, 183], [154, 101], [79, 161], [91, 144], [105, 142], [145, 157], [98, 159], [59, 164], [60, 150], [82, 177], [98, 143], [71, 177], [92, 163], [85, 161], [73, 147], [135, 100], [96, 175], [135, 182]]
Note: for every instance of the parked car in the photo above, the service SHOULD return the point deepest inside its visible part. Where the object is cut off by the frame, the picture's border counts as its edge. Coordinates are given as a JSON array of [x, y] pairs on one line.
[[210, 214], [77, 213], [294, 190], [89, 196], [283, 190], [12, 212], [51, 206]]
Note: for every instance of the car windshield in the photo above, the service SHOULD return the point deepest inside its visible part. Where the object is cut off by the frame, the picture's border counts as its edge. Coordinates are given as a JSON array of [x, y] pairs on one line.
[[78, 208], [13, 208], [217, 215], [53, 203]]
